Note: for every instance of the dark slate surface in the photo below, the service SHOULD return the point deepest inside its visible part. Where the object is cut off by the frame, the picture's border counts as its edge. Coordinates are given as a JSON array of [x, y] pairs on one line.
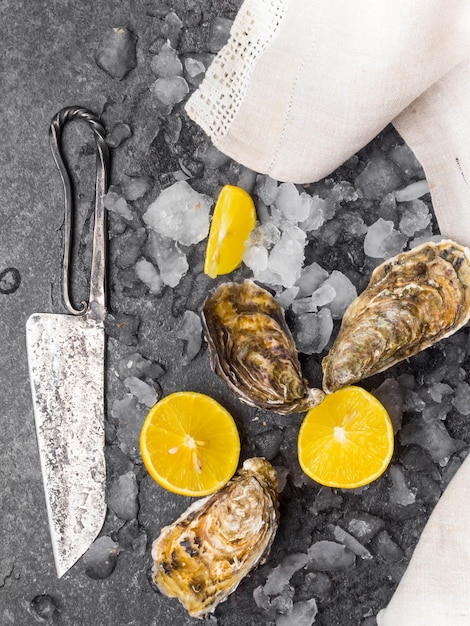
[[48, 62]]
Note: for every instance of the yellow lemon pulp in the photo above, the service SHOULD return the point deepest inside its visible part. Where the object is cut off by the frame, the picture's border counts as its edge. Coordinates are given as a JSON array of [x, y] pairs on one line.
[[233, 219], [347, 440], [190, 444]]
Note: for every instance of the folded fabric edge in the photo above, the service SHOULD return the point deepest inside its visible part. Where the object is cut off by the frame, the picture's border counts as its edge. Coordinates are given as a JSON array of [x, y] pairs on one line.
[[216, 102], [436, 126]]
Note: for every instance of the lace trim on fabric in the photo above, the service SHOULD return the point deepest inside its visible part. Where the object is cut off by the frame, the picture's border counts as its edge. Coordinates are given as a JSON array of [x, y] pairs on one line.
[[216, 103]]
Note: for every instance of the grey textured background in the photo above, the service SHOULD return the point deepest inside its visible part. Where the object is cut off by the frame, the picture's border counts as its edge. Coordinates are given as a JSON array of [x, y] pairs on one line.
[[47, 62]]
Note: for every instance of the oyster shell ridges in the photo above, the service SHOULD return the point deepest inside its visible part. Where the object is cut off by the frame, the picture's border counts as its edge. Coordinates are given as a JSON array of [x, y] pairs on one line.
[[412, 301], [203, 556], [252, 350]]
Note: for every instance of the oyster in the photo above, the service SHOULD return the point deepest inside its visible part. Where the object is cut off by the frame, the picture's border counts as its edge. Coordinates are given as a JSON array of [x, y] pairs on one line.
[[412, 301], [252, 349], [203, 556]]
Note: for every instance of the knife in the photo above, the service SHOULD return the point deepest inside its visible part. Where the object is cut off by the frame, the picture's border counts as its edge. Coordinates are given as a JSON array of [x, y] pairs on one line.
[[66, 367]]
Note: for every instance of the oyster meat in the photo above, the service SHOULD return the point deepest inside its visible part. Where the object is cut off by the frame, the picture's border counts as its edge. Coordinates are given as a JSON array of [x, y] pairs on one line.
[[202, 557], [252, 349], [412, 301]]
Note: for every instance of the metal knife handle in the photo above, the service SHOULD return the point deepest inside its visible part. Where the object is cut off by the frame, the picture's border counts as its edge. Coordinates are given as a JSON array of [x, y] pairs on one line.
[[98, 264]]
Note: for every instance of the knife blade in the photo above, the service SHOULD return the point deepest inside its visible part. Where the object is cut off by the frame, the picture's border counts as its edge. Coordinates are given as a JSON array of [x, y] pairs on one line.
[[66, 365]]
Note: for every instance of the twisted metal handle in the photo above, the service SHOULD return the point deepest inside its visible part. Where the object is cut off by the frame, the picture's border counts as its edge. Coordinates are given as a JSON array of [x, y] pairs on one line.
[[98, 264]]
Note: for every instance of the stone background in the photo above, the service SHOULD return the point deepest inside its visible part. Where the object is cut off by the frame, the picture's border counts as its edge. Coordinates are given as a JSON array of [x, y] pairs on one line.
[[48, 62]]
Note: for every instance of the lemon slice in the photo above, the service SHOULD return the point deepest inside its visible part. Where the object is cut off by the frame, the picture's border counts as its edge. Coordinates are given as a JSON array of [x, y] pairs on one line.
[[233, 219], [190, 444], [347, 440]]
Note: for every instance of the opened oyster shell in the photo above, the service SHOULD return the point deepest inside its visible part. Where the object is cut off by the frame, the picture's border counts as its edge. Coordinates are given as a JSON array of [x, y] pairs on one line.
[[202, 557], [412, 301], [252, 349]]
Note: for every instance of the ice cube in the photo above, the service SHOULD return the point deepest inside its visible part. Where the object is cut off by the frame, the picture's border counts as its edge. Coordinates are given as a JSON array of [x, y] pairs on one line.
[[449, 471], [311, 277], [390, 394], [115, 203], [122, 496], [287, 256], [382, 240], [364, 526], [325, 294], [415, 216], [256, 258], [312, 331], [379, 177], [180, 213], [265, 235], [417, 460], [330, 556], [461, 399], [171, 29], [148, 274], [134, 187], [280, 576], [191, 332], [432, 436], [412, 401], [388, 549], [246, 178], [268, 277], [438, 390], [283, 603], [303, 305], [399, 492], [169, 90], [325, 499], [351, 543], [135, 364], [141, 390], [412, 191], [170, 259], [290, 203], [315, 584], [194, 67], [353, 224], [166, 62], [287, 297], [212, 157], [116, 53], [388, 208], [130, 416], [345, 293], [118, 135], [270, 234], [261, 599], [219, 33], [437, 411], [405, 159], [317, 210], [282, 473], [266, 189], [303, 613], [343, 191]]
